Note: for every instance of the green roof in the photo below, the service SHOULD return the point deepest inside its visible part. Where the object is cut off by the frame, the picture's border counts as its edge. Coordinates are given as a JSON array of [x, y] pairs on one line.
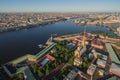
[[21, 59], [113, 78], [27, 72], [112, 53], [44, 51]]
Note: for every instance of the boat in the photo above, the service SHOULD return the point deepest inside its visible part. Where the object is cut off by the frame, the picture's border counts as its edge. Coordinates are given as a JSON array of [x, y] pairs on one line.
[[40, 46]]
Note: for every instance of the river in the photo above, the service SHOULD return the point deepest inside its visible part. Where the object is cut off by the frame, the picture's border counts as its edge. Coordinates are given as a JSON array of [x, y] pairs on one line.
[[17, 43]]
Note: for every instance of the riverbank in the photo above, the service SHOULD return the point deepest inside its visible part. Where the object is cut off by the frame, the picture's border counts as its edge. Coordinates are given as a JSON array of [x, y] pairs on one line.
[[10, 29], [18, 43]]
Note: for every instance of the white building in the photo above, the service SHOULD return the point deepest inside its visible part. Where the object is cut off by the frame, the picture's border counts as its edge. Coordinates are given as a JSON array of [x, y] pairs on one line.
[[101, 63], [91, 69], [118, 30], [71, 75]]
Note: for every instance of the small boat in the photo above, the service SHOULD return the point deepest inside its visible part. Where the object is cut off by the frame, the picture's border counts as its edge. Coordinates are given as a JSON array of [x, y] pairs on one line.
[[40, 46]]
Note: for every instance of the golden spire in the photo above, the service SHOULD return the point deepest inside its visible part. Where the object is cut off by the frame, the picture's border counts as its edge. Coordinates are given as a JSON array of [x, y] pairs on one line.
[[83, 41]]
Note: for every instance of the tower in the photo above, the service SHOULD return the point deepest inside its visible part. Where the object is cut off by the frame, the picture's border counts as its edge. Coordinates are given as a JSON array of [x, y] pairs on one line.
[[83, 40], [79, 51], [51, 38]]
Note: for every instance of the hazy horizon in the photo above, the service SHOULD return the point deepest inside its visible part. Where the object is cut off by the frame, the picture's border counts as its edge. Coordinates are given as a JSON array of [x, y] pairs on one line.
[[59, 6]]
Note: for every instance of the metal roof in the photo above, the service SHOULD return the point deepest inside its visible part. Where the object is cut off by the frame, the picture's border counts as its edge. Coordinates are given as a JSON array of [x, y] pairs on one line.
[[21, 59], [27, 72], [113, 78], [112, 53]]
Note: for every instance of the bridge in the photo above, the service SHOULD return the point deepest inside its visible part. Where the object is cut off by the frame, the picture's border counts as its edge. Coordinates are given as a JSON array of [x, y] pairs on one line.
[[44, 51]]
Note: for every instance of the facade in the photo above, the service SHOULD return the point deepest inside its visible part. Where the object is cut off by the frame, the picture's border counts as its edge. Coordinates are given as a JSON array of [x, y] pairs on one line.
[[77, 61]]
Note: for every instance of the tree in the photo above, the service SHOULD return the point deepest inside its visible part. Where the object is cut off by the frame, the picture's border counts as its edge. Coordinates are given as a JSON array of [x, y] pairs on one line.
[[34, 66], [40, 73], [71, 60], [80, 66], [84, 65], [86, 59], [47, 71], [19, 76], [99, 56]]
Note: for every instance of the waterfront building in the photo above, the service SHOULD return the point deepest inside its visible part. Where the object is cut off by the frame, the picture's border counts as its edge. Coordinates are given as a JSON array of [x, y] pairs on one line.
[[77, 21]]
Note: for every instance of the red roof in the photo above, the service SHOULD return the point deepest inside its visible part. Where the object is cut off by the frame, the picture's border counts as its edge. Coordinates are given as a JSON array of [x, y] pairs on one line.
[[50, 57], [114, 72]]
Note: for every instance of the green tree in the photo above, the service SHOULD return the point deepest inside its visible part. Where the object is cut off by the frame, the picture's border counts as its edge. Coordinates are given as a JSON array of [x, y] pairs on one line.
[[34, 66], [47, 71], [19, 76], [40, 73], [84, 64]]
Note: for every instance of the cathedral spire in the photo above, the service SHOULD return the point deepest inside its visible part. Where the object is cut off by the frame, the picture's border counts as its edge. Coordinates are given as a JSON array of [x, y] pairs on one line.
[[83, 41]]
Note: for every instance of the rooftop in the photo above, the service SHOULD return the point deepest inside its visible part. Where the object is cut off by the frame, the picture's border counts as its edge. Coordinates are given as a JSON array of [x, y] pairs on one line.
[[112, 53], [27, 72], [91, 69], [101, 62], [115, 68], [113, 78], [21, 59], [71, 75]]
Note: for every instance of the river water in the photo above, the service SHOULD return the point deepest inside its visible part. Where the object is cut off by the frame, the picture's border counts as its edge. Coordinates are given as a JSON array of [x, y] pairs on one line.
[[17, 43]]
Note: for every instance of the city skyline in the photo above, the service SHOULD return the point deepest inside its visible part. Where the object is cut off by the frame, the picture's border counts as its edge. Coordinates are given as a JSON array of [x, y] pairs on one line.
[[59, 6]]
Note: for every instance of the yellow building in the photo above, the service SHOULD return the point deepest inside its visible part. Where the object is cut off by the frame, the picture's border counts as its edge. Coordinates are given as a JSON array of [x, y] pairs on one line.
[[118, 30], [79, 51]]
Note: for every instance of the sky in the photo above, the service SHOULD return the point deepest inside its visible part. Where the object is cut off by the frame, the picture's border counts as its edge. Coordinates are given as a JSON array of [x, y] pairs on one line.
[[59, 5]]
